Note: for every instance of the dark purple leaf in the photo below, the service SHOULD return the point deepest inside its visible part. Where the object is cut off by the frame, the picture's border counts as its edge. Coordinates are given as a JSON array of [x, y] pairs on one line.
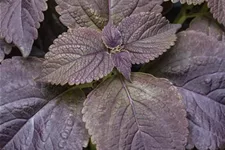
[[196, 65], [89, 13], [146, 36], [146, 114], [217, 8], [37, 116], [5, 48], [208, 26], [111, 36], [77, 56], [122, 62], [19, 22]]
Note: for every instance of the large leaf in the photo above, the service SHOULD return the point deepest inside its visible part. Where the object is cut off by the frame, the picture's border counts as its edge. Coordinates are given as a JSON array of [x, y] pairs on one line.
[[146, 114], [89, 13], [196, 65], [146, 36], [84, 13], [217, 8], [5, 48], [19, 22], [37, 116], [77, 56], [121, 9], [208, 26]]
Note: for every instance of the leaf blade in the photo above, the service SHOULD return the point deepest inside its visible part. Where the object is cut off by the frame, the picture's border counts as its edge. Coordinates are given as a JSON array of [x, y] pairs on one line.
[[208, 26], [122, 62], [77, 56], [217, 9], [122, 115], [19, 22], [96, 14], [77, 13], [146, 36], [38, 116], [196, 66], [125, 8], [5, 48]]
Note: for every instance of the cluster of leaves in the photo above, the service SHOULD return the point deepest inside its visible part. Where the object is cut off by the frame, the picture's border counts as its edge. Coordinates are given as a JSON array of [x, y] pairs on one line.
[[84, 87]]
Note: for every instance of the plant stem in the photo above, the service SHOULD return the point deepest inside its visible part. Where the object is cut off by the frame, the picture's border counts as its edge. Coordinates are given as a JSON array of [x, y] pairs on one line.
[[86, 85], [181, 17]]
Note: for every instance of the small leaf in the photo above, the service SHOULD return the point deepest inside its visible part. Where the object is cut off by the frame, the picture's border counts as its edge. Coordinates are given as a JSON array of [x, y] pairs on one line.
[[111, 36], [77, 56], [208, 26], [196, 65], [19, 22], [95, 14], [146, 36], [122, 62], [217, 8], [146, 114], [38, 116]]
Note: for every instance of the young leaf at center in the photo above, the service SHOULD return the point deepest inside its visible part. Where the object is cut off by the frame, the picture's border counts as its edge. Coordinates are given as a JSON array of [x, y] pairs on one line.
[[84, 54]]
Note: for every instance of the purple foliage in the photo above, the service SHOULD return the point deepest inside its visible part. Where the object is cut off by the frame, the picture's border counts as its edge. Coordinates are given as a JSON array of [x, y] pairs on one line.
[[38, 116], [19, 20], [196, 65], [181, 107], [122, 61], [111, 36], [79, 56], [145, 114]]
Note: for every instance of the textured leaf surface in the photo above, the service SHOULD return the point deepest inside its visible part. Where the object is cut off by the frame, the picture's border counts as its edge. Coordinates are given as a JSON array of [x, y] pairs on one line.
[[217, 8], [146, 36], [207, 26], [36, 116], [197, 66], [122, 61], [77, 56], [189, 2], [89, 13], [121, 9], [146, 114], [84, 13], [5, 48], [19, 22]]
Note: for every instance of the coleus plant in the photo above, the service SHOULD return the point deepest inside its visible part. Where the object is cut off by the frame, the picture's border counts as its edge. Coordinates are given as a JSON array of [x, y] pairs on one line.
[[181, 106]]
